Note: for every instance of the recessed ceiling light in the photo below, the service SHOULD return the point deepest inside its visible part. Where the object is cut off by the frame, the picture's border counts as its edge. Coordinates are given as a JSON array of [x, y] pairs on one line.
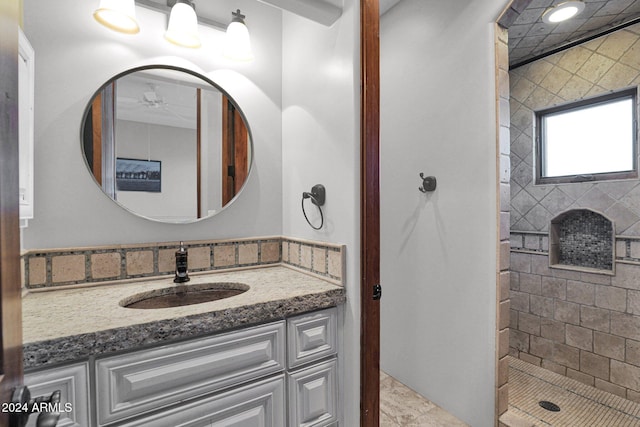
[[562, 12]]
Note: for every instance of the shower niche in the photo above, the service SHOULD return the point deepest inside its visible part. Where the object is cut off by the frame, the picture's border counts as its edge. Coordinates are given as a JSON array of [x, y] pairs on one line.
[[584, 240]]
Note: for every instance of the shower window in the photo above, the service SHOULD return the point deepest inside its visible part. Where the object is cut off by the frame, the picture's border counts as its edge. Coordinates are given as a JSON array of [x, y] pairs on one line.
[[588, 140]]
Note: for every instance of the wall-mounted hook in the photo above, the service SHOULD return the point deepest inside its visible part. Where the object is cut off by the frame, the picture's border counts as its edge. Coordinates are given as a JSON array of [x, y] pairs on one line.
[[428, 183]]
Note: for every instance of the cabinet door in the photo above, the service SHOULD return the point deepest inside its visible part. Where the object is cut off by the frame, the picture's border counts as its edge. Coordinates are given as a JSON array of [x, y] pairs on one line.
[[312, 337], [73, 383], [313, 395], [136, 383], [260, 404]]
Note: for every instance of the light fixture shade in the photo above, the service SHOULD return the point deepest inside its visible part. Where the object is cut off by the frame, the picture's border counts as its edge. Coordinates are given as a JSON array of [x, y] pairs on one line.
[[118, 15], [562, 11], [237, 43], [183, 25]]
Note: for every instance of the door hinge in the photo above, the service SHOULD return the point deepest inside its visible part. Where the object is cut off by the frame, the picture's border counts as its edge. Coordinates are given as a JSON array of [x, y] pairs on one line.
[[377, 292]]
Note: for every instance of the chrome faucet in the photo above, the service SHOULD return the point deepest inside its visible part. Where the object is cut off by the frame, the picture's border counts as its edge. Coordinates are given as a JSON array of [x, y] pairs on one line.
[[181, 265]]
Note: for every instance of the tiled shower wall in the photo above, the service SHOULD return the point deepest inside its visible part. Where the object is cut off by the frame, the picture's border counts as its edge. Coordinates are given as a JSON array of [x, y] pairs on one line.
[[577, 323], [502, 273]]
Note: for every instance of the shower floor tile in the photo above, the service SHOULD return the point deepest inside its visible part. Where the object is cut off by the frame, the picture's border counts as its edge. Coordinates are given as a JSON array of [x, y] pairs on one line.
[[580, 405], [402, 407]]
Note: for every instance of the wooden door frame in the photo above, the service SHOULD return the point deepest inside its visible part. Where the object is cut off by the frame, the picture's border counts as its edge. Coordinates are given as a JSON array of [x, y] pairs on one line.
[[11, 371], [369, 213]]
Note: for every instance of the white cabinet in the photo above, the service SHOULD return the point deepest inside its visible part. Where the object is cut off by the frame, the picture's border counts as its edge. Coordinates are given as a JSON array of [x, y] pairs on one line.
[[313, 369], [259, 404], [313, 395], [278, 374], [26, 86], [142, 381], [73, 383], [312, 336]]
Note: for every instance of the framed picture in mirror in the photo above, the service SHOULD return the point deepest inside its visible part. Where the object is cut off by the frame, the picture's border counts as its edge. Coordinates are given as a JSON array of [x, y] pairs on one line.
[[138, 175]]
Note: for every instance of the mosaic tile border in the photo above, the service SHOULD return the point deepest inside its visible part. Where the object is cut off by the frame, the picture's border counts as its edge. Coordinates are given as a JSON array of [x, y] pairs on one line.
[[71, 266], [627, 247]]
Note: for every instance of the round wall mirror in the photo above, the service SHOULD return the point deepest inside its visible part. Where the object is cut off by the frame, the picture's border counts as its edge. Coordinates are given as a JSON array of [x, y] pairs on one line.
[[167, 144]]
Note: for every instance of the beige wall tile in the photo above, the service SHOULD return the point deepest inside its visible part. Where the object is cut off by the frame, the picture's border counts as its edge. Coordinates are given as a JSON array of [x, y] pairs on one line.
[[632, 354], [611, 388], [199, 258], [305, 256], [534, 360], [625, 325], [595, 365], [335, 264], [541, 347], [529, 323], [139, 262], [625, 375], [166, 260], [566, 355], [595, 318], [580, 292], [503, 288], [37, 270], [248, 253], [224, 255], [611, 298], [106, 265], [608, 345], [567, 312], [319, 260], [552, 330], [68, 268], [541, 306], [503, 343], [269, 252], [519, 340], [504, 314], [554, 367], [294, 253], [554, 287], [580, 376], [580, 337]]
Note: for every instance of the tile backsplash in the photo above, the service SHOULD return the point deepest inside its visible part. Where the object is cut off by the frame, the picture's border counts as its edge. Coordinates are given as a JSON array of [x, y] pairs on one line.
[[70, 266]]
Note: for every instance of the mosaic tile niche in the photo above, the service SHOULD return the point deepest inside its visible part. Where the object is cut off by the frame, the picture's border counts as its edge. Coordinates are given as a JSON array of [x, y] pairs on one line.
[[582, 238]]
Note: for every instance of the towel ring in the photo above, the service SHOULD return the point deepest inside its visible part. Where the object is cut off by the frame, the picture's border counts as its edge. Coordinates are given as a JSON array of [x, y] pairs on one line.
[[317, 196]]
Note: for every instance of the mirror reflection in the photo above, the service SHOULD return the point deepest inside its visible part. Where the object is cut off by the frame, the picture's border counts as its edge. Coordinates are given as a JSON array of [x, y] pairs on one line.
[[166, 144]]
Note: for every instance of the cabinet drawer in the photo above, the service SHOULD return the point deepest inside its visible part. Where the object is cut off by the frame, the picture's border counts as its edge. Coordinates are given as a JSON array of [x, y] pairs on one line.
[[312, 336], [142, 381], [258, 404], [313, 395], [73, 383]]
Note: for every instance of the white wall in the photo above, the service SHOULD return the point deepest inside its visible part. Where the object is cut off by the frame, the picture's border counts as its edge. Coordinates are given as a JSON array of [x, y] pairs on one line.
[[75, 56], [439, 250], [176, 149], [320, 145]]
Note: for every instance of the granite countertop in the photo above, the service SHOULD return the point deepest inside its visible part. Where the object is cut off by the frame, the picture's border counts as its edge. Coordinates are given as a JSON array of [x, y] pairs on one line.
[[65, 325]]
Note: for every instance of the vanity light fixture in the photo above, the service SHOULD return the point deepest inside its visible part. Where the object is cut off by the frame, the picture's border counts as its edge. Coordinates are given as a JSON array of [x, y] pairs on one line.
[[562, 11], [183, 25], [237, 43], [118, 15]]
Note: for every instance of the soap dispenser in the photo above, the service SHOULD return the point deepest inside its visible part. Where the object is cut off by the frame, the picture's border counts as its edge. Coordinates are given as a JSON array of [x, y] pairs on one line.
[[181, 265]]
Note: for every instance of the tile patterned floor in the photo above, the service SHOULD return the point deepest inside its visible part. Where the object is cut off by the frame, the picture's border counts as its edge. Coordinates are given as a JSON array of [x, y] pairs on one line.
[[402, 407], [580, 405]]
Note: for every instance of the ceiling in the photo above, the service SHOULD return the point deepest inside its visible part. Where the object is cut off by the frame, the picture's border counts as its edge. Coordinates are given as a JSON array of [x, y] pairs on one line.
[[530, 38]]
